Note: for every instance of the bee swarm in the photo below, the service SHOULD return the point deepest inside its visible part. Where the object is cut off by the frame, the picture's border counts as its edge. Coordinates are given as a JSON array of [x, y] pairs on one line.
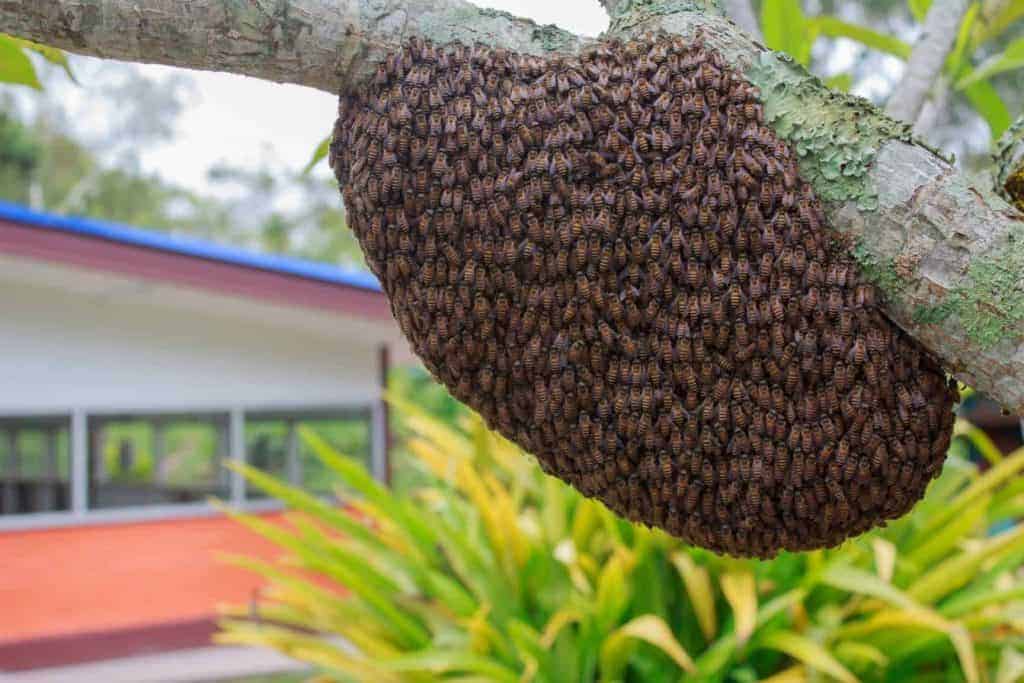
[[614, 261]]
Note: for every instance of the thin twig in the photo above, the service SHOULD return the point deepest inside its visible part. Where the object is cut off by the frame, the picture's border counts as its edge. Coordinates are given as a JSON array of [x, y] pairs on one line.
[[927, 59]]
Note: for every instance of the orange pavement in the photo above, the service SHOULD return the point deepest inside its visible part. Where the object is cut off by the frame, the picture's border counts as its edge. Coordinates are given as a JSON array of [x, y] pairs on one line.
[[96, 578]]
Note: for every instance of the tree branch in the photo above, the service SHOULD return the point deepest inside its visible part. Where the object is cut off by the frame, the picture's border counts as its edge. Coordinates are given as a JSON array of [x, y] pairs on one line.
[[947, 254], [742, 12], [613, 6], [934, 108], [323, 44], [926, 60]]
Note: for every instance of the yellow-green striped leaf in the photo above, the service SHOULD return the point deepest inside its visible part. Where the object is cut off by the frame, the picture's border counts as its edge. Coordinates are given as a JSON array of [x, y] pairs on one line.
[[741, 593], [701, 594], [805, 650]]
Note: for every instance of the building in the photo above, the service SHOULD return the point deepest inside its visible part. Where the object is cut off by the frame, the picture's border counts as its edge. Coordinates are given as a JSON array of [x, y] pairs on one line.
[[133, 365]]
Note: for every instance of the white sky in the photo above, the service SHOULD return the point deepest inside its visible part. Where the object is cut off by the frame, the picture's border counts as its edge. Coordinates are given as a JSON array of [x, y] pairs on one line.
[[245, 120]]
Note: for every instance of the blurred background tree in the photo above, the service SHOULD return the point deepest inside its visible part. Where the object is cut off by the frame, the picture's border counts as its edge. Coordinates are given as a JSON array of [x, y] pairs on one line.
[[50, 162]]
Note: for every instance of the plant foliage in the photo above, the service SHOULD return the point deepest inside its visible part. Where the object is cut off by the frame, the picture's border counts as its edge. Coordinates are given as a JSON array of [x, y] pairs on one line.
[[488, 570], [970, 68]]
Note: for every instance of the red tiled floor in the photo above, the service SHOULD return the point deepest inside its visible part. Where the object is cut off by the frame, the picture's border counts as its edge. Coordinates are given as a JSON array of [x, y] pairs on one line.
[[86, 579]]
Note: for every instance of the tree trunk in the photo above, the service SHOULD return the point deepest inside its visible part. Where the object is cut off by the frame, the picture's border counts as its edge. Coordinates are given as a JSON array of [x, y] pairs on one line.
[[945, 250]]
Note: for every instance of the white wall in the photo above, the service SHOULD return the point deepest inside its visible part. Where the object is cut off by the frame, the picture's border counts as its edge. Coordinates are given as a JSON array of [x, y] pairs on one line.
[[64, 347]]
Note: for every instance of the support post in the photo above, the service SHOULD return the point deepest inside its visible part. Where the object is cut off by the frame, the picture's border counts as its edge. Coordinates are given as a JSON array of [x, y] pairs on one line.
[[80, 463], [46, 488], [293, 464], [236, 439], [8, 475], [159, 451]]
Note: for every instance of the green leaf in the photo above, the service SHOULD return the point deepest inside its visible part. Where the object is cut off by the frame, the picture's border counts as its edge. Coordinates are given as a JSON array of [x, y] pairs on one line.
[[1011, 666], [1010, 59], [319, 154], [959, 569], [785, 28], [939, 544], [613, 591], [860, 582], [919, 8], [304, 646], [450, 592], [354, 473], [649, 628], [993, 478], [15, 66], [964, 602], [841, 82], [995, 18], [698, 589], [741, 593], [917, 619], [300, 500], [438, 660], [835, 27], [807, 651], [963, 36], [860, 652], [50, 54], [348, 571]]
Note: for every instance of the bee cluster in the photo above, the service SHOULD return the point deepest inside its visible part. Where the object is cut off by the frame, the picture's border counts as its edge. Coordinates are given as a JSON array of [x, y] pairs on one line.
[[613, 259]]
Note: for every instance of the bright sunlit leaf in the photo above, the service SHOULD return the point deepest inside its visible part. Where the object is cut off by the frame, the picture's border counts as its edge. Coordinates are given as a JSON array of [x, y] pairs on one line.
[[1010, 59], [319, 154], [785, 28], [809, 652], [919, 8], [963, 39], [50, 54], [698, 589], [741, 593], [15, 66], [649, 628], [835, 27]]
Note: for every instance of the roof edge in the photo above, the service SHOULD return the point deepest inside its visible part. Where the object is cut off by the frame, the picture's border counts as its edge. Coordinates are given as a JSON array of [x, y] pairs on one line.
[[188, 246]]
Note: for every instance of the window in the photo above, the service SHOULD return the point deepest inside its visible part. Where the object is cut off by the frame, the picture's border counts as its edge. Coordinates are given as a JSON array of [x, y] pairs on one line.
[[138, 462], [34, 465], [157, 459], [273, 445]]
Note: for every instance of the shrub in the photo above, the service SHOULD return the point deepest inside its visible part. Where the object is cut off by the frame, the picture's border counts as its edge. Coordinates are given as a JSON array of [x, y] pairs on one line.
[[487, 570]]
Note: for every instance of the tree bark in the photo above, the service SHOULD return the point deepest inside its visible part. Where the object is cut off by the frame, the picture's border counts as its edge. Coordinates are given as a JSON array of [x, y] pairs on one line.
[[946, 252], [323, 44], [926, 60]]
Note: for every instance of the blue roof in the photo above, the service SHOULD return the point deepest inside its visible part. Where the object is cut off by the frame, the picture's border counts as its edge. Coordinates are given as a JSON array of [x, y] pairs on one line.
[[187, 246]]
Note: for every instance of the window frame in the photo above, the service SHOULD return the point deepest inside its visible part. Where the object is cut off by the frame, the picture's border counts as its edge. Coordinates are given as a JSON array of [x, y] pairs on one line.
[[10, 425], [80, 421]]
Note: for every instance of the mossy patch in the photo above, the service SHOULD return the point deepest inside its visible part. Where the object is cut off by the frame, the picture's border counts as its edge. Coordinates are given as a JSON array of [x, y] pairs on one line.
[[883, 274], [990, 303], [835, 135]]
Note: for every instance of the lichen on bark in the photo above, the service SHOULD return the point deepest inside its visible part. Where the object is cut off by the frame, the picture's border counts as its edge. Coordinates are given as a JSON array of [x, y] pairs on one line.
[[836, 136], [989, 303]]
